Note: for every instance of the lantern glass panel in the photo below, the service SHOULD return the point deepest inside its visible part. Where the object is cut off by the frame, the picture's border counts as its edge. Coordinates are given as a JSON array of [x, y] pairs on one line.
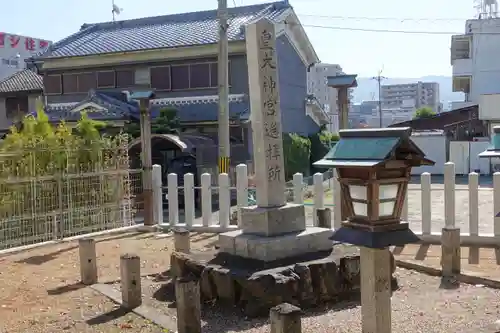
[[358, 192], [360, 209], [386, 208], [389, 191]]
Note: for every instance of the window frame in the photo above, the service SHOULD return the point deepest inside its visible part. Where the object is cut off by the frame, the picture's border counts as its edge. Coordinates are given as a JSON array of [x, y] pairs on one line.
[[60, 85], [105, 71], [78, 81], [169, 77]]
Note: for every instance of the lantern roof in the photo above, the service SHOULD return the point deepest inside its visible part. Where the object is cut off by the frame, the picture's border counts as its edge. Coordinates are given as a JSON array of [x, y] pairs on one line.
[[373, 147], [494, 149]]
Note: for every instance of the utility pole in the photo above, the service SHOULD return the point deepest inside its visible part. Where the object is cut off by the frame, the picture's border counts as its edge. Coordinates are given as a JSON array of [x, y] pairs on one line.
[[223, 83], [379, 79]]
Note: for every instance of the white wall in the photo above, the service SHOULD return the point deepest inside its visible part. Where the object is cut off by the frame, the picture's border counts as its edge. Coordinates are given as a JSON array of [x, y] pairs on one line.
[[465, 156], [485, 57], [434, 147]]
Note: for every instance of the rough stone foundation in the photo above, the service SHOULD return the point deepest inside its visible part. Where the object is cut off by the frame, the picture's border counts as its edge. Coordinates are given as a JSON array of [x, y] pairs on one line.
[[255, 286]]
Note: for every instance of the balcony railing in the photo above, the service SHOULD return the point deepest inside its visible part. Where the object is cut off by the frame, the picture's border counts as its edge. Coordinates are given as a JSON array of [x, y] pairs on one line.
[[462, 67]]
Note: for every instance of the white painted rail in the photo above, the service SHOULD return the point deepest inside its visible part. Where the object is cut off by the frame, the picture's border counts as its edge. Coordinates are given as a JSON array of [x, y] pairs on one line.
[[438, 204]]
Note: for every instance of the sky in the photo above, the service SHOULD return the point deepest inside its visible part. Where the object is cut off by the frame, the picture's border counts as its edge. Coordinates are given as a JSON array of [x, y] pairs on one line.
[[330, 24]]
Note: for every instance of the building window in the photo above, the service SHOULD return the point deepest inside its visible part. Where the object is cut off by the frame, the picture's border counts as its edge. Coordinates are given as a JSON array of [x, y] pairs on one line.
[[180, 77], [16, 108], [106, 79], [214, 74], [199, 76], [185, 76], [125, 78], [160, 78], [86, 82], [70, 83], [52, 84]]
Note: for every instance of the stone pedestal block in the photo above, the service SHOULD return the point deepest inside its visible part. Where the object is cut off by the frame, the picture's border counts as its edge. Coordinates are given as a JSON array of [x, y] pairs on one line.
[[277, 247], [274, 221]]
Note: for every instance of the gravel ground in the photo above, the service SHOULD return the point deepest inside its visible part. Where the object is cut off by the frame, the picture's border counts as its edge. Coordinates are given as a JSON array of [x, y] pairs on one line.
[[40, 290], [418, 306]]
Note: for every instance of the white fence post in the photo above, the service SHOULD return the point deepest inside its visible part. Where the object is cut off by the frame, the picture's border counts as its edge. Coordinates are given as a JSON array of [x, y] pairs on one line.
[[189, 207], [298, 188], [173, 199], [337, 202], [318, 196], [496, 203], [206, 199], [473, 204], [449, 195], [157, 195], [224, 200], [425, 181]]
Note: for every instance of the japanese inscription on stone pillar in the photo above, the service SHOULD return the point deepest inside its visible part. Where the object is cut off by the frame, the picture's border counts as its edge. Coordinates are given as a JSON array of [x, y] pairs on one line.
[[265, 114]]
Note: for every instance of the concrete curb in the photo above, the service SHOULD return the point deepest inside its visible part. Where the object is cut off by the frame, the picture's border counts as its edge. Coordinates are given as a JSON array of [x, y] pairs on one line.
[[464, 278]]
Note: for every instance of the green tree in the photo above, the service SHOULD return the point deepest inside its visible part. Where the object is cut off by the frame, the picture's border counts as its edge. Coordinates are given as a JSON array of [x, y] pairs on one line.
[[425, 112], [167, 122]]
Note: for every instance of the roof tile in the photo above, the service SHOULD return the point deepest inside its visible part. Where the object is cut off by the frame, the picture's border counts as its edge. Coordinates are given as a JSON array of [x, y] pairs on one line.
[[25, 80], [178, 30]]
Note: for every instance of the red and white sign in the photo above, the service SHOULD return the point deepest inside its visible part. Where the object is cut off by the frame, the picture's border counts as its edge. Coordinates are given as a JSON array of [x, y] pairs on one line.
[[21, 42]]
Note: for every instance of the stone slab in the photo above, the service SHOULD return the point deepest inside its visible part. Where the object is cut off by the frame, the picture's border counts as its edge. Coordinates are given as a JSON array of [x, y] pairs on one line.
[[273, 221], [256, 286], [144, 311], [249, 246]]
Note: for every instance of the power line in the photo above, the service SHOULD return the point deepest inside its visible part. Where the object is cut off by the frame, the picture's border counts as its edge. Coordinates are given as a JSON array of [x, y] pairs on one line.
[[415, 32], [373, 18]]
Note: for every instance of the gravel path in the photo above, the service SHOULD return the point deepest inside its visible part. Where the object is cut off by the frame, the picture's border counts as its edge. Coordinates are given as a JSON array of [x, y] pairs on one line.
[[40, 290], [418, 306]]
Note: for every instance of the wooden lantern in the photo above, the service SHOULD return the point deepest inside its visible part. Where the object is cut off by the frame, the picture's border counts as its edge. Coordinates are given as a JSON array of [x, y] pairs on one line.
[[374, 168]]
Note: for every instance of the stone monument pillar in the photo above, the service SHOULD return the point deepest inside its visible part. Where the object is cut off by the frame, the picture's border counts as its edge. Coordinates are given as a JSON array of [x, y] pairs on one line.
[[273, 229]]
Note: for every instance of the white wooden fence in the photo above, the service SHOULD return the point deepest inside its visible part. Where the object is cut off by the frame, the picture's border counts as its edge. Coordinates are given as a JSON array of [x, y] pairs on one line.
[[219, 221]]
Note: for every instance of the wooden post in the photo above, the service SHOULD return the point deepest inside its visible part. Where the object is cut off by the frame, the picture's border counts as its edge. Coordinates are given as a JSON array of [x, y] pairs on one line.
[[182, 242], [187, 295], [147, 168], [375, 290], [130, 272], [285, 318], [450, 253], [88, 261], [324, 218]]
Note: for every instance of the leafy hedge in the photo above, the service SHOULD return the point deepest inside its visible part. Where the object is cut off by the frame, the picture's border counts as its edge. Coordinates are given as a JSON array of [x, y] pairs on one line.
[[321, 144], [297, 152]]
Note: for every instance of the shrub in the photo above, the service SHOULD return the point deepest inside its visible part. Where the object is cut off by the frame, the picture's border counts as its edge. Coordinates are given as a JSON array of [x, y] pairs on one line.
[[297, 150], [321, 144], [51, 172]]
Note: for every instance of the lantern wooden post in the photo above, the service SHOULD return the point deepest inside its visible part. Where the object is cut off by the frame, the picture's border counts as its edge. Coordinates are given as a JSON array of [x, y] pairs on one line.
[[374, 167]]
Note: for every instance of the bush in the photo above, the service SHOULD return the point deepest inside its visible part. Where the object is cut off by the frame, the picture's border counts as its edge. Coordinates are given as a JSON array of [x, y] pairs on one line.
[[321, 144], [297, 151], [52, 172]]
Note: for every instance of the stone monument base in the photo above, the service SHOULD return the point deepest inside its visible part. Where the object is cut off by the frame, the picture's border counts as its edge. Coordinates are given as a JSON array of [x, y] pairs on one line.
[[270, 248], [255, 286]]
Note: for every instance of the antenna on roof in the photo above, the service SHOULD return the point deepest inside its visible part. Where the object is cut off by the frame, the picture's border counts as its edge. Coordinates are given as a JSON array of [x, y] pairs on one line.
[[115, 9]]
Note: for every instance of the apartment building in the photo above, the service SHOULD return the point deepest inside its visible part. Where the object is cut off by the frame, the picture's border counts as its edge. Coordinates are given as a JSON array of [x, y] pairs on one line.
[[14, 49], [326, 96], [418, 94], [475, 58]]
